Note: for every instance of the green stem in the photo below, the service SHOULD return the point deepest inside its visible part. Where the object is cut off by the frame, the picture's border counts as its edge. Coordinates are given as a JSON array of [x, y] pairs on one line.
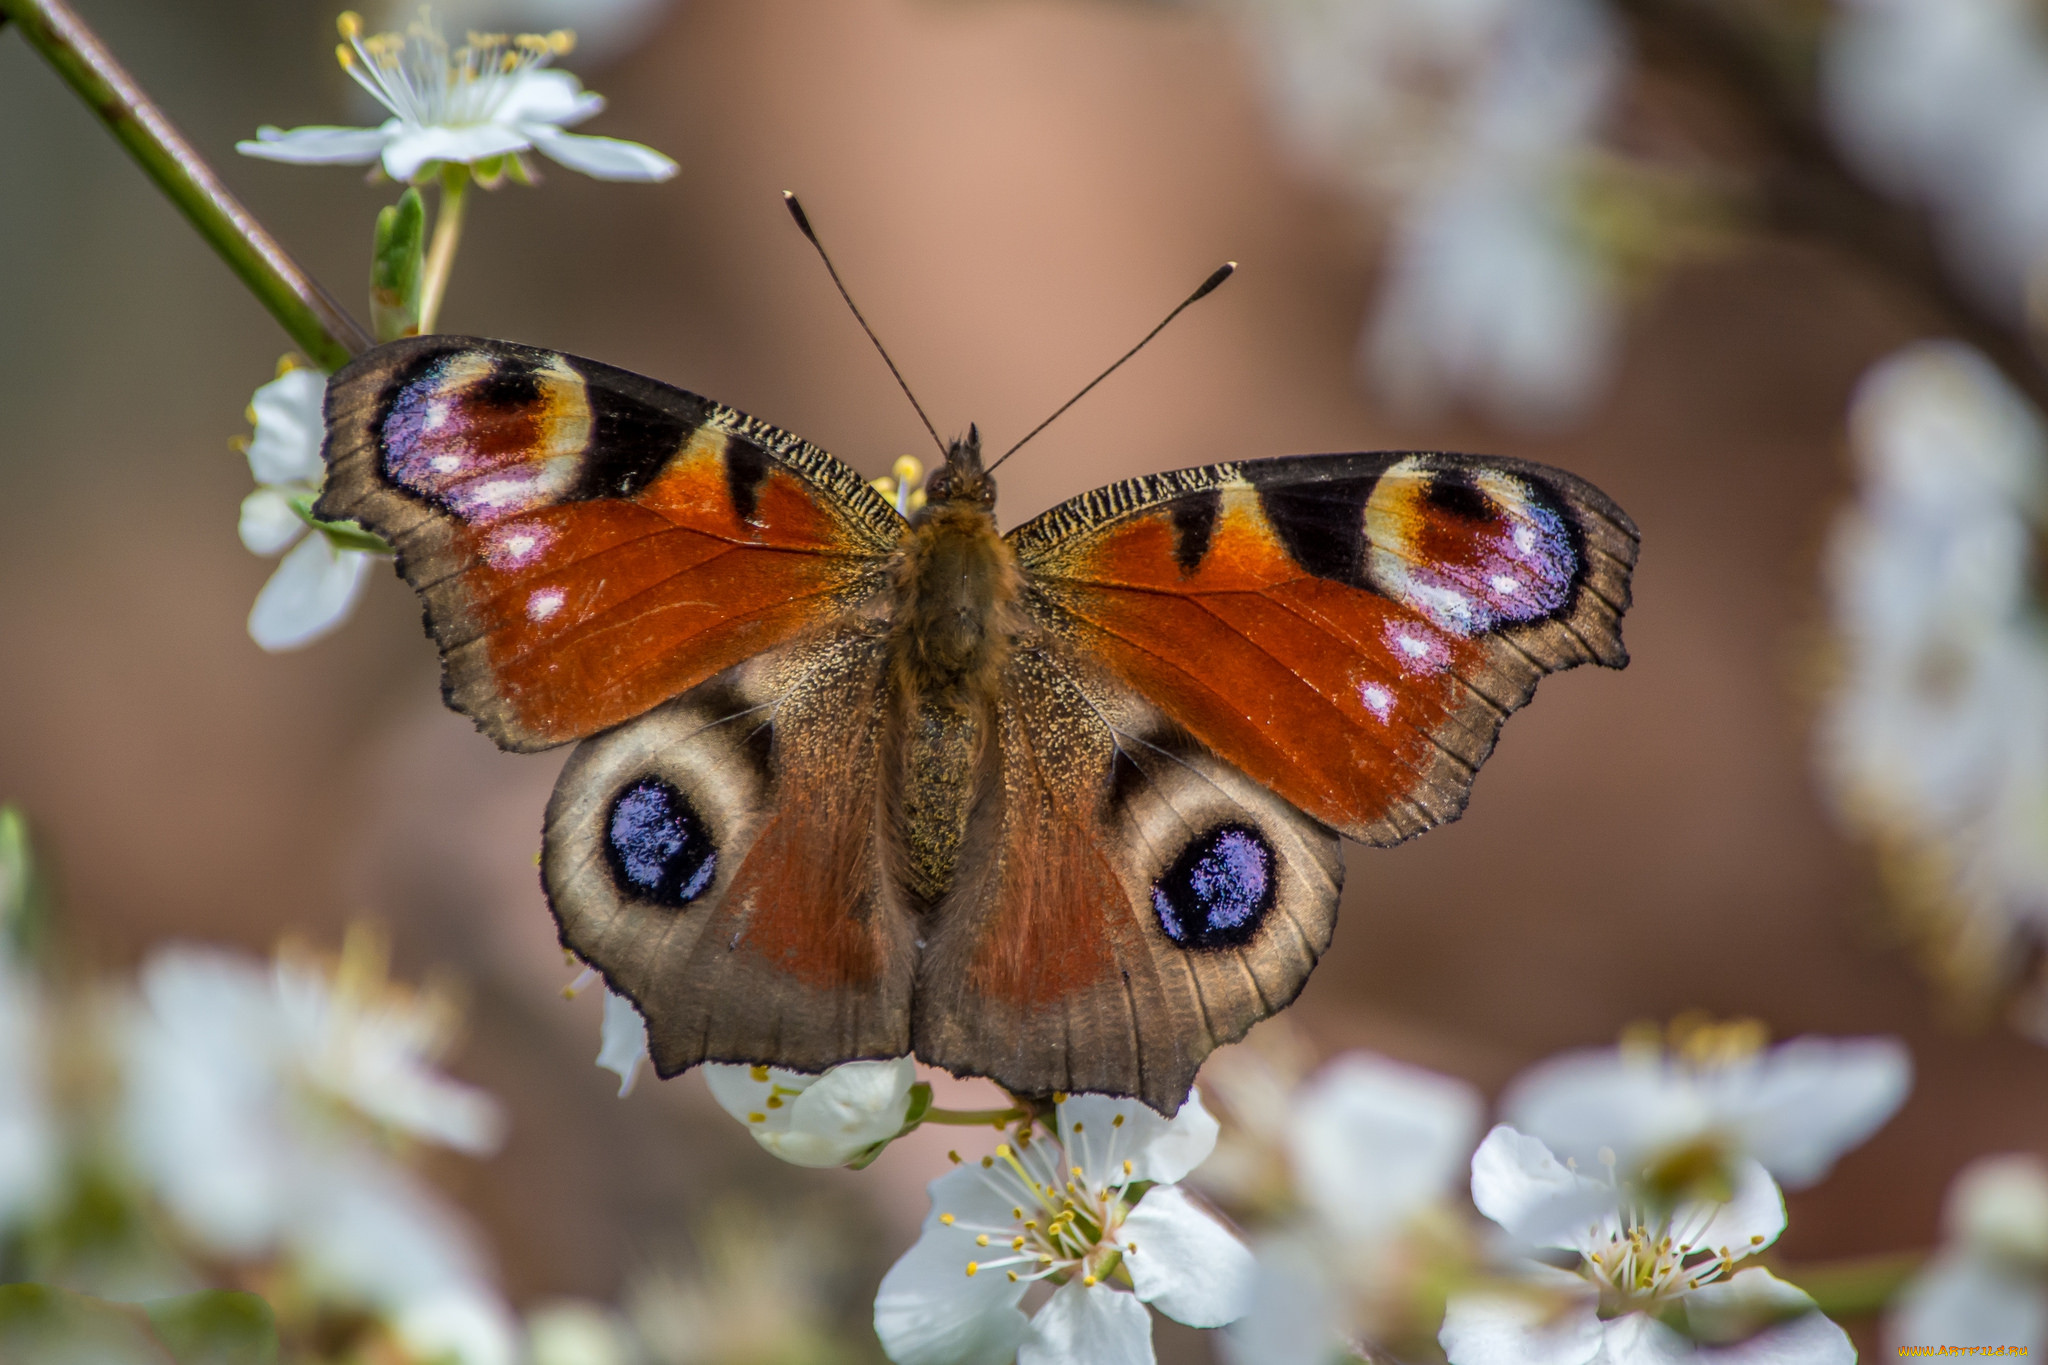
[[447, 236], [317, 325], [1857, 1287], [975, 1118]]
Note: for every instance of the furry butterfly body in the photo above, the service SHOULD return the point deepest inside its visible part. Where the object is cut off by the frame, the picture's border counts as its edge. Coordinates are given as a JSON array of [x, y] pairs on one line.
[[1060, 807]]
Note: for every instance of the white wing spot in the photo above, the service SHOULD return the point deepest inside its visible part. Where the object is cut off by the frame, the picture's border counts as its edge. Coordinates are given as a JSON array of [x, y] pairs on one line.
[[1377, 699], [1504, 585], [544, 604]]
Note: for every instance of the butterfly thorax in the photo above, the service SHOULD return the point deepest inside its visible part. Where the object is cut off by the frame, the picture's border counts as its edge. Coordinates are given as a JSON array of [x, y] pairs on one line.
[[954, 622]]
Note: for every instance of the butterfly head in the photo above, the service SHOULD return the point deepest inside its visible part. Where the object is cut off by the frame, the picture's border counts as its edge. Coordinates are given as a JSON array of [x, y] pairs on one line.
[[962, 479]]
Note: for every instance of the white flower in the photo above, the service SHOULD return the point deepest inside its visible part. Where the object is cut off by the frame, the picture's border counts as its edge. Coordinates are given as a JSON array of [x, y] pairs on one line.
[[319, 581], [824, 1120], [1471, 120], [1713, 1099], [622, 1041], [259, 1103], [492, 98], [1989, 1285], [1934, 744], [1373, 1148], [1058, 1205], [457, 1327], [1639, 1270]]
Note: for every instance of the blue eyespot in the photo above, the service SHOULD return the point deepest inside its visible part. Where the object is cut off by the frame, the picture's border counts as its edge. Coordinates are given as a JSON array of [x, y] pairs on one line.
[[1218, 891], [659, 847]]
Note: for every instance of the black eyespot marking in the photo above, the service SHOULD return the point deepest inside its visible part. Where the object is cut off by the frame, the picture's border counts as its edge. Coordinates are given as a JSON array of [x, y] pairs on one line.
[[1218, 891], [1452, 491], [510, 384], [659, 847]]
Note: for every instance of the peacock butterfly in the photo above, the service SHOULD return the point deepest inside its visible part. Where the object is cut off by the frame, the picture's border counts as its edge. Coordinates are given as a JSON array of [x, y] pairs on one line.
[[1059, 807]]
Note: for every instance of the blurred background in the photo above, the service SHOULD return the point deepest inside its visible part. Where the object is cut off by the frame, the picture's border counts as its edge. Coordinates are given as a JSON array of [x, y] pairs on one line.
[[1660, 243]]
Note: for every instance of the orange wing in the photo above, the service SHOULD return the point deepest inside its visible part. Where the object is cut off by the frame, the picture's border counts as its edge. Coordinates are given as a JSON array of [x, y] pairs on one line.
[[589, 543], [1349, 630]]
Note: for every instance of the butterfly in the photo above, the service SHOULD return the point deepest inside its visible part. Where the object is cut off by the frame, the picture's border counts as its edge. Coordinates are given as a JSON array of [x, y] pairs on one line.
[[1060, 807]]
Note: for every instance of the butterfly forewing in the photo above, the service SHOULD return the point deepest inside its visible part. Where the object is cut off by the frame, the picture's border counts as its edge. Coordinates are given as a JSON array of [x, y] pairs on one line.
[[589, 542], [1350, 630]]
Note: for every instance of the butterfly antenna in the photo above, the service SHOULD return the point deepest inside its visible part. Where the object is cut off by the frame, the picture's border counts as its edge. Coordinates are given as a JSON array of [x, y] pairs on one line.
[[803, 224], [1208, 286]]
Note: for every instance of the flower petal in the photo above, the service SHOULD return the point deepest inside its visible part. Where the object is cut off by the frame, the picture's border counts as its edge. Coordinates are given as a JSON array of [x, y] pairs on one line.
[[622, 1041], [1755, 1318], [1374, 1141], [1638, 1339], [318, 146], [823, 1120], [416, 145], [1813, 1099], [851, 1108], [290, 425], [457, 1327], [1293, 1315], [602, 158], [1506, 1328], [1518, 1184], [929, 1311], [1185, 1263], [1160, 1149], [547, 95], [268, 524], [1081, 1325], [308, 596], [1751, 1220]]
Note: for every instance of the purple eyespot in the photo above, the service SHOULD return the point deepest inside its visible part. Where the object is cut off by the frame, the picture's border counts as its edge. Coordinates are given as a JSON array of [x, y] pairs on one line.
[[1218, 891], [658, 846]]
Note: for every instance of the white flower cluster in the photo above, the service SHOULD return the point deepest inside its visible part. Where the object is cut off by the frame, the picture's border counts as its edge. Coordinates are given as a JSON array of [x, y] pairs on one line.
[[1934, 741], [1633, 1258], [1473, 120]]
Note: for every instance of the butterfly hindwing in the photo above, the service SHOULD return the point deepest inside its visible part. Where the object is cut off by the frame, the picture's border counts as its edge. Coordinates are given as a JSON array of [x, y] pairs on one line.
[[1349, 630], [589, 543], [720, 861], [1125, 902]]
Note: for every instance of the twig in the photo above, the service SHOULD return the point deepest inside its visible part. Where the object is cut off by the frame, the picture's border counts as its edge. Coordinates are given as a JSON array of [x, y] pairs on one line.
[[317, 325], [1807, 188]]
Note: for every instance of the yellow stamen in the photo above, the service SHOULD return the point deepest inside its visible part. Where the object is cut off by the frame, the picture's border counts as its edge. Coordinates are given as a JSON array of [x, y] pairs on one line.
[[775, 1101], [350, 23], [1012, 1274], [759, 1073], [947, 1219], [1117, 1122], [973, 1269], [757, 1118], [1088, 1282]]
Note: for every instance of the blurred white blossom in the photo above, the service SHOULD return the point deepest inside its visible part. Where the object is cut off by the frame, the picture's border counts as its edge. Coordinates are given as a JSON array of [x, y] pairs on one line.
[[1716, 1095], [318, 582], [1989, 1285], [487, 101], [828, 1119], [1945, 104], [1092, 1205], [1473, 120], [260, 1104], [1371, 1149], [1653, 1282], [29, 1137], [622, 1041], [604, 28], [1934, 741]]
